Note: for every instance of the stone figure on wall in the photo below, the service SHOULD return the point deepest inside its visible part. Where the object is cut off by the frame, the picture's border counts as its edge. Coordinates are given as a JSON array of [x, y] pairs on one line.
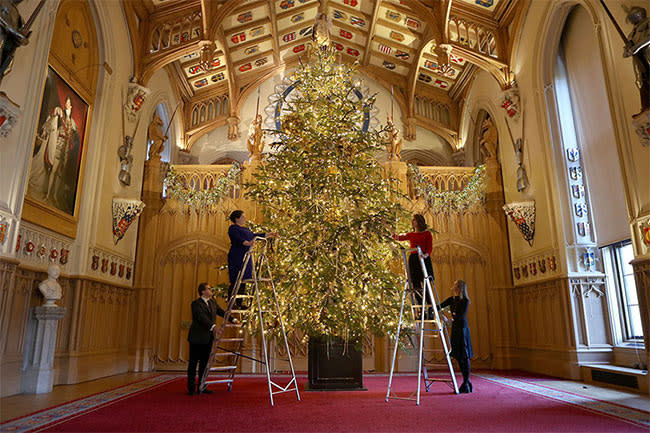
[[156, 137], [321, 30], [233, 128], [489, 138], [13, 32], [50, 288], [394, 143], [255, 140], [638, 47]]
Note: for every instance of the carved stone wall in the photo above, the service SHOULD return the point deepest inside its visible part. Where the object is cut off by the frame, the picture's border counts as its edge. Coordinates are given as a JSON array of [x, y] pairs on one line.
[[92, 338], [559, 323]]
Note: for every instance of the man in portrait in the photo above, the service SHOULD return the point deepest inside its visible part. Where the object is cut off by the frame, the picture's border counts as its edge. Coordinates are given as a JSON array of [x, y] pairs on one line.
[[55, 164]]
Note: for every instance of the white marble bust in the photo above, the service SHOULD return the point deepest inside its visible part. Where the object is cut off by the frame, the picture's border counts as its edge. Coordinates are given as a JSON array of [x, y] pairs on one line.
[[50, 288]]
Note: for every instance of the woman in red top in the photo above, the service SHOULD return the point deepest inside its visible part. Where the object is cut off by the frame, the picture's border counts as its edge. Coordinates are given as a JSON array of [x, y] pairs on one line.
[[421, 237]]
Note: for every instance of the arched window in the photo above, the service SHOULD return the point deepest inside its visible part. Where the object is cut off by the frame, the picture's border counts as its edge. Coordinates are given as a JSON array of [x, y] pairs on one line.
[[587, 160]]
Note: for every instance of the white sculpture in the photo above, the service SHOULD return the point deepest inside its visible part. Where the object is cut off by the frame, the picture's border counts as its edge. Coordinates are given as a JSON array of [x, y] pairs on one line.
[[50, 288]]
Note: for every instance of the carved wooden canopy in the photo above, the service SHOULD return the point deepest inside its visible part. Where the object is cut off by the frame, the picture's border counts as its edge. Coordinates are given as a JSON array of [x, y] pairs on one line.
[[405, 43]]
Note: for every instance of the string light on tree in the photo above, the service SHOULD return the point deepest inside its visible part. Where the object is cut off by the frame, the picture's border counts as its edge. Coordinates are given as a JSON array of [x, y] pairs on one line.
[[326, 194]]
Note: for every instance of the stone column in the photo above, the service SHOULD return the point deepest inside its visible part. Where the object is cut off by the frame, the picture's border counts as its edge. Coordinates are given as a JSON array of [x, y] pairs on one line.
[[40, 344], [398, 170], [141, 344], [642, 278]]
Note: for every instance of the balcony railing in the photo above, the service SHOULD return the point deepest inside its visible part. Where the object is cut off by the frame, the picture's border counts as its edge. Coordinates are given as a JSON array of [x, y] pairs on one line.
[[203, 177]]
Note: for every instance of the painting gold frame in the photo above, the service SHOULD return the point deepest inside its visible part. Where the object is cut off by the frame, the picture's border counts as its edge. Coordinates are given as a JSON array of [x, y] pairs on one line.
[[39, 212]]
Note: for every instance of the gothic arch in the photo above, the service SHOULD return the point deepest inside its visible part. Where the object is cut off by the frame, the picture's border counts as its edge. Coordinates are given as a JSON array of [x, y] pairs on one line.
[[547, 44]]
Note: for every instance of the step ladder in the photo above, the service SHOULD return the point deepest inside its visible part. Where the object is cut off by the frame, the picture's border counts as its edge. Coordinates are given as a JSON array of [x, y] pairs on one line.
[[434, 329], [261, 274]]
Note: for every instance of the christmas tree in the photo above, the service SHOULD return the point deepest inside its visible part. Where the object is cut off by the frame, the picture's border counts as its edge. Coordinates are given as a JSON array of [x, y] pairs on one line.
[[323, 190]]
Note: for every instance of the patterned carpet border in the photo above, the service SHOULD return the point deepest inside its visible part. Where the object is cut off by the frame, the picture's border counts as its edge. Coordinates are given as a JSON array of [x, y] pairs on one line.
[[77, 407], [635, 416]]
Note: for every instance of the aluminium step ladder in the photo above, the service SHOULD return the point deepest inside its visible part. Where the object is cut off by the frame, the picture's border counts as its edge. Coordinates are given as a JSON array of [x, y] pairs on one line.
[[261, 274], [424, 328]]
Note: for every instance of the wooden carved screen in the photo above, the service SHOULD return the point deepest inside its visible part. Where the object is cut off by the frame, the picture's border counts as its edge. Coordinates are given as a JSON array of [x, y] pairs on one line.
[[453, 261], [182, 266]]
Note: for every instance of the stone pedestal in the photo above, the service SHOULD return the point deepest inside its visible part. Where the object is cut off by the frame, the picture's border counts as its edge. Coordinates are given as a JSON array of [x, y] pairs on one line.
[[40, 343]]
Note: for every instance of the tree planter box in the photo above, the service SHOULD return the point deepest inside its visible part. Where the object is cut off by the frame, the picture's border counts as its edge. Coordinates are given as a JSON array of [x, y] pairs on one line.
[[334, 367]]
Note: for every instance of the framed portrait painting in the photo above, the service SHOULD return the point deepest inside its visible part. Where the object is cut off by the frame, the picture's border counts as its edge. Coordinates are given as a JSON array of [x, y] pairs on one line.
[[57, 158]]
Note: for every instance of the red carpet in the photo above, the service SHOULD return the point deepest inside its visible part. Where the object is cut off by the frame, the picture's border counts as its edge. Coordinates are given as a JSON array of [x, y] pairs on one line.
[[493, 407]]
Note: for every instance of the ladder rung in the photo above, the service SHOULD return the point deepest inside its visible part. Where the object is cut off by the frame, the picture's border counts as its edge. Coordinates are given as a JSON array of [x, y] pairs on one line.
[[432, 365], [224, 368], [233, 325], [259, 280], [211, 382], [420, 306], [224, 354], [243, 296], [228, 340], [238, 311], [434, 350]]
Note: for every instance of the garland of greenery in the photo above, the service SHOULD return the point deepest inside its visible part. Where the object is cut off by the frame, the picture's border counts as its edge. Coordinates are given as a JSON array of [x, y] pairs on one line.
[[204, 199], [450, 201]]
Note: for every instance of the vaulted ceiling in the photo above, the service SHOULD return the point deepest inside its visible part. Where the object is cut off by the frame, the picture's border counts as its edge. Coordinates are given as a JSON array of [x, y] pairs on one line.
[[396, 42]]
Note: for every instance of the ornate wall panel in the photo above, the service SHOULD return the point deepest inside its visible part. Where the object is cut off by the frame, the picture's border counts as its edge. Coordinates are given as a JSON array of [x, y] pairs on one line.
[[93, 336]]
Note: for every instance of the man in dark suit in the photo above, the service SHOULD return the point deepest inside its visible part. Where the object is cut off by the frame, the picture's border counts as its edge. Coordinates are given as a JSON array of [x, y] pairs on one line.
[[202, 333]]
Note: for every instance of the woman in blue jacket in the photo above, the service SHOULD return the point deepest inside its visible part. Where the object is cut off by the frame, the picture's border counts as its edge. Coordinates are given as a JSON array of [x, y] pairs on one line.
[[241, 239]]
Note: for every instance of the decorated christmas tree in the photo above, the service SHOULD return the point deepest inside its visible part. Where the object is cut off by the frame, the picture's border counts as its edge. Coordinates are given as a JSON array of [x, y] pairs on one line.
[[323, 190]]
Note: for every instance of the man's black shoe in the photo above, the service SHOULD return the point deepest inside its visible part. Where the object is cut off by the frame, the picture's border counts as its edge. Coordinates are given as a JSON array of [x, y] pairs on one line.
[[205, 391], [190, 392]]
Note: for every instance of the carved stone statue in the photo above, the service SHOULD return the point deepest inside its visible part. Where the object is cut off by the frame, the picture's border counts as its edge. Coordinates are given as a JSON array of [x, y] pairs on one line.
[[394, 143], [50, 288], [208, 49], [638, 47], [233, 128], [13, 32], [255, 140], [156, 136], [489, 138], [321, 30]]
